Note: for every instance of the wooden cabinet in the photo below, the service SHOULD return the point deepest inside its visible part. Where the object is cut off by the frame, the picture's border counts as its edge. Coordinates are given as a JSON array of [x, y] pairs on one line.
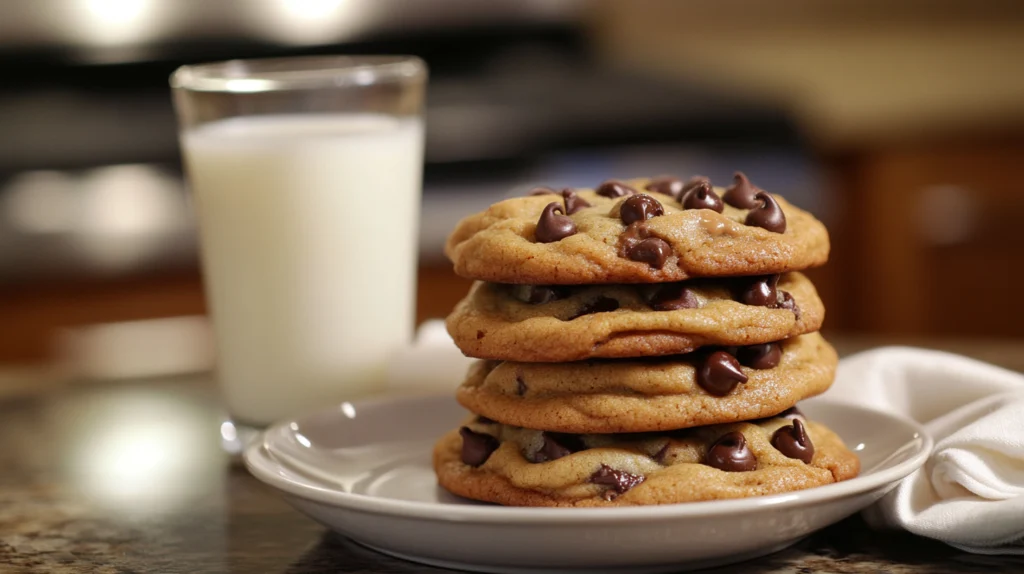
[[930, 240]]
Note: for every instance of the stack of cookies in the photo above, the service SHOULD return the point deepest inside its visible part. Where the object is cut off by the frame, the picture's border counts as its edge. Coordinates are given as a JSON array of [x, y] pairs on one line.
[[645, 342]]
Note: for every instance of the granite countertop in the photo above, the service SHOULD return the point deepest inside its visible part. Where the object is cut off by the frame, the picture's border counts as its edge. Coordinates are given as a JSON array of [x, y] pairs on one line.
[[128, 477]]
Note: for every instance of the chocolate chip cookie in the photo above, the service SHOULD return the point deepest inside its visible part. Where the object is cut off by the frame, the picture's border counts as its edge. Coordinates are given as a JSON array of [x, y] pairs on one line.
[[556, 323], [641, 231], [711, 386], [488, 461]]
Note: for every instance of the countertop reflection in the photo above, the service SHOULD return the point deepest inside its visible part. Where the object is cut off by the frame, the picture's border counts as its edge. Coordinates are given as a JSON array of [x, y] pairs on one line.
[[128, 477]]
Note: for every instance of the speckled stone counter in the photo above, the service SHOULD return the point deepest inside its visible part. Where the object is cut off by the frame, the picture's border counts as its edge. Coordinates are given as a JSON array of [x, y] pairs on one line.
[[128, 477]]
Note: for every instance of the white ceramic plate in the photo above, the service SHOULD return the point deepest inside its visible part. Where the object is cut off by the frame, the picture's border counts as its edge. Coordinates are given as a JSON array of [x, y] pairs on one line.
[[364, 470]]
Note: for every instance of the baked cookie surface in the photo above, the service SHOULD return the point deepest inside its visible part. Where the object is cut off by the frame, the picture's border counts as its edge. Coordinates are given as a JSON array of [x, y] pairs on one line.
[[655, 394], [572, 323], [591, 236], [521, 467]]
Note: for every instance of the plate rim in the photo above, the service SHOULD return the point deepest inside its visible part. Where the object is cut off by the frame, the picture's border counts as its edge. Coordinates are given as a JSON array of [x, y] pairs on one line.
[[259, 463]]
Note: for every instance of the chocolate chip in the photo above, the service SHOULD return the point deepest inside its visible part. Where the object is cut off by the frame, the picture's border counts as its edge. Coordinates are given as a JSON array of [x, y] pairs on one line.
[[660, 455], [672, 297], [764, 356], [768, 216], [792, 441], [573, 202], [600, 305], [640, 207], [613, 189], [720, 373], [476, 447], [761, 292], [667, 185], [730, 453], [557, 445], [539, 294], [520, 383], [619, 480], [702, 196], [636, 244], [653, 251], [543, 191], [741, 193], [553, 227], [786, 301], [484, 420]]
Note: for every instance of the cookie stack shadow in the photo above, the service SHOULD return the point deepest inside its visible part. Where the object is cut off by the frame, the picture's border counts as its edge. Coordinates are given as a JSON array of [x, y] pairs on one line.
[[645, 342]]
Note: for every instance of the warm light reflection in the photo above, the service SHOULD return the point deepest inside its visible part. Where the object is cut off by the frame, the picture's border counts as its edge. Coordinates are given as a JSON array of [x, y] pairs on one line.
[[316, 21], [116, 12], [310, 9], [112, 22], [40, 202], [348, 410], [127, 199], [248, 85], [126, 210], [141, 452], [228, 431]]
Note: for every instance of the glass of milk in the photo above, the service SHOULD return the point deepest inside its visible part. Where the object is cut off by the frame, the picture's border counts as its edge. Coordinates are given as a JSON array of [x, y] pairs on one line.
[[306, 177]]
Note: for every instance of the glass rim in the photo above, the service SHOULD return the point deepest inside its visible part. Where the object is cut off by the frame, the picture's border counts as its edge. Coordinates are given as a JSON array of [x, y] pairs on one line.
[[297, 73]]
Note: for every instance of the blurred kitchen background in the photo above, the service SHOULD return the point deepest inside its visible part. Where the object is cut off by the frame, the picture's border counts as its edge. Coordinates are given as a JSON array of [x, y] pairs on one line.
[[900, 124]]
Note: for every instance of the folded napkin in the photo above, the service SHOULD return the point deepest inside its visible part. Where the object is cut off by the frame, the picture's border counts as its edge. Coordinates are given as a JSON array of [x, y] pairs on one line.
[[970, 492]]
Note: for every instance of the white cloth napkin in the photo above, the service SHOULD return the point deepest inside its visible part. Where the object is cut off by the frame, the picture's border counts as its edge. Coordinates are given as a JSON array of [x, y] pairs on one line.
[[970, 492]]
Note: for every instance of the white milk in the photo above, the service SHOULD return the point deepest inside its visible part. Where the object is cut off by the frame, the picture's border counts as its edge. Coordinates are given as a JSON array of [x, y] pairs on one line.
[[308, 229]]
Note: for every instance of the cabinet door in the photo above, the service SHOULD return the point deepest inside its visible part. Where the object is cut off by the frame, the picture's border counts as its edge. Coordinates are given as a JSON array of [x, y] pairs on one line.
[[939, 240]]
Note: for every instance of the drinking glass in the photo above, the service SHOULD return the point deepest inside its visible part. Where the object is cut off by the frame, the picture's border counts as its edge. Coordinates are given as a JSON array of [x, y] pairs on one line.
[[306, 177]]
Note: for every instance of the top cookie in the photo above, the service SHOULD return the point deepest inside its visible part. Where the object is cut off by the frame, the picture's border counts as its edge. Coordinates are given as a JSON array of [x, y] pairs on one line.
[[641, 231]]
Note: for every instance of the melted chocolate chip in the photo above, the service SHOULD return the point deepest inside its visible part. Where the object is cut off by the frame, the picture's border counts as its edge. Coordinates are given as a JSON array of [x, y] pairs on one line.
[[692, 183], [720, 374], [553, 227], [557, 445], [573, 202], [660, 455], [640, 207], [768, 216], [636, 244], [619, 480], [701, 196], [543, 191], [764, 356], [786, 301], [792, 441], [476, 447], [667, 185], [741, 193], [520, 383], [762, 292], [653, 251], [613, 189], [730, 453], [539, 294], [672, 297], [600, 305]]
